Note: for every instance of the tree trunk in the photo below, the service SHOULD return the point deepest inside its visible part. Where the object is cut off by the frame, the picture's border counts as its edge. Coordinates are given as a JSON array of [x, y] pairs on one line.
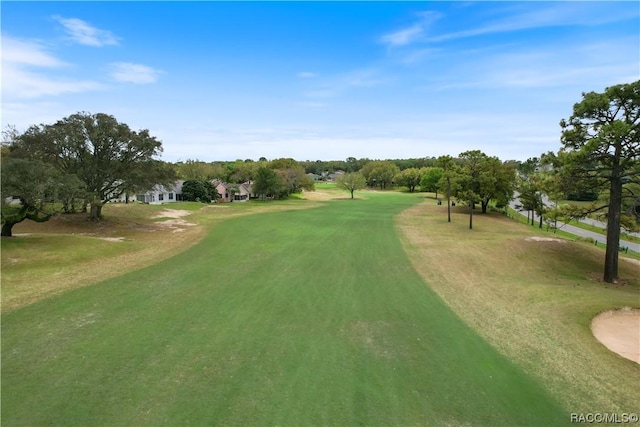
[[96, 211], [484, 206], [470, 215], [613, 227], [7, 229], [448, 200], [352, 193]]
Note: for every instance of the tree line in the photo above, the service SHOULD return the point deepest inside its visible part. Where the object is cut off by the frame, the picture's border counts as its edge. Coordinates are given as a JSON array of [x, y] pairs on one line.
[[85, 160]]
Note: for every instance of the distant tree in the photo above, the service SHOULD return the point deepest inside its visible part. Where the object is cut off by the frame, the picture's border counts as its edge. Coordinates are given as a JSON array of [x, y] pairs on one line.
[[448, 181], [241, 171], [600, 145], [530, 186], [380, 173], [196, 170], [431, 179], [267, 182], [105, 154], [351, 182], [409, 178], [470, 176], [487, 178]]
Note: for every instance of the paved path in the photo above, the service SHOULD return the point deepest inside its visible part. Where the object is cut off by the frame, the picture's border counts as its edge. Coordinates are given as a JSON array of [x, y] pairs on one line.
[[589, 221], [600, 238]]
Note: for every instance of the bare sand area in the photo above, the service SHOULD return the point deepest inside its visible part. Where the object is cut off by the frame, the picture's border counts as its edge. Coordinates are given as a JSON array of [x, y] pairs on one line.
[[619, 331]]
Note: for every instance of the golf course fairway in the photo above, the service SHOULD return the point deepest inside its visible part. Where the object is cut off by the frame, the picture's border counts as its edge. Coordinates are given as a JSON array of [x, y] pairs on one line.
[[291, 318]]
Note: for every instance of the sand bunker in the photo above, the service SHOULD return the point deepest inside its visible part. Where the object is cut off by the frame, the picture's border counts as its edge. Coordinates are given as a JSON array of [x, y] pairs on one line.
[[619, 331], [543, 239]]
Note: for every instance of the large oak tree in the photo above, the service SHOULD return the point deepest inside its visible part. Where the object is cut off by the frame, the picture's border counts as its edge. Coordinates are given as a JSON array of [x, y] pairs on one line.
[[601, 146], [105, 154]]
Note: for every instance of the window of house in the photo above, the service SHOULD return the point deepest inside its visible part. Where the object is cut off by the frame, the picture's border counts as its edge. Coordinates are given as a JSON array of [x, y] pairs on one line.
[[170, 196], [161, 196]]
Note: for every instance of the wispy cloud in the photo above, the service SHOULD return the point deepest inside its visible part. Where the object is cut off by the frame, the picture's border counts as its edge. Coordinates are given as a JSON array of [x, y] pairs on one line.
[[557, 67], [310, 104], [336, 86], [26, 68], [413, 32], [83, 33], [404, 36], [306, 75], [532, 15], [134, 73], [16, 51]]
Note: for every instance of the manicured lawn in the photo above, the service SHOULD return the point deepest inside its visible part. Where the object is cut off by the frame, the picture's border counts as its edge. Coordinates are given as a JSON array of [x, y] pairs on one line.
[[306, 317]]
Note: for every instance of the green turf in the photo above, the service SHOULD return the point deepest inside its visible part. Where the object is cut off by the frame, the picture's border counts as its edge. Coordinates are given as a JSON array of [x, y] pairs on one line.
[[308, 317]]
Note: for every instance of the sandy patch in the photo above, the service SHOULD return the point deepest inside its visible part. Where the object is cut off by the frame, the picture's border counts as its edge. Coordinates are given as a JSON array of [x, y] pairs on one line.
[[171, 213], [543, 239], [112, 239], [619, 331], [176, 225], [631, 260]]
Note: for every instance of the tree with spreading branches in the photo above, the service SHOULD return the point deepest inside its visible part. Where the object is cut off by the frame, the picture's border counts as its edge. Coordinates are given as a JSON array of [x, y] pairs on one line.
[[601, 148], [351, 181]]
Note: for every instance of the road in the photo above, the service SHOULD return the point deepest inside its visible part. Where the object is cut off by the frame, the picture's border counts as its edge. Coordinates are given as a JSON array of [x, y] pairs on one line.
[[600, 238]]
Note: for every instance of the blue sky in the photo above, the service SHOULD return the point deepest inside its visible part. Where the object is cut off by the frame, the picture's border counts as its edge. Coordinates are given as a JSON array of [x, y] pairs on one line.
[[318, 80]]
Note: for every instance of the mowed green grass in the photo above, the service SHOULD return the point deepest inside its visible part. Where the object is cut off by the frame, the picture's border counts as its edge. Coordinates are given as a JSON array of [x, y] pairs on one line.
[[307, 317]]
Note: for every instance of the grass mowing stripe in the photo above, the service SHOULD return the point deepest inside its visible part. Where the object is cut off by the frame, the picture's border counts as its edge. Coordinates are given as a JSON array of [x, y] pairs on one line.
[[311, 317]]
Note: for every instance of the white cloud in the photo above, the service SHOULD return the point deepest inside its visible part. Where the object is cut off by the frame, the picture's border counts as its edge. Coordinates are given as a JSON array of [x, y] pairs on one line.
[[533, 15], [18, 83], [16, 51], [554, 67], [306, 75], [83, 33], [23, 75], [404, 36], [413, 32], [134, 73]]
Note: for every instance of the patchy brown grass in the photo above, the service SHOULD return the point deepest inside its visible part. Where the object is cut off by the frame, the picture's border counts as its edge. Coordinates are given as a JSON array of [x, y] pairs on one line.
[[67, 252], [531, 297]]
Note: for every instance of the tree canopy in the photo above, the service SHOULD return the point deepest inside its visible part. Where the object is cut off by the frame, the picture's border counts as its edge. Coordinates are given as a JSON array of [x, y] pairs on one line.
[[106, 155], [409, 178], [199, 191], [351, 182], [601, 148], [379, 172], [29, 190]]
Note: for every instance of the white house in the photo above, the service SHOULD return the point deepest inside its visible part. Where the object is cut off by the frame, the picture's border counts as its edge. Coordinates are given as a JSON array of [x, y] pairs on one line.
[[160, 194]]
